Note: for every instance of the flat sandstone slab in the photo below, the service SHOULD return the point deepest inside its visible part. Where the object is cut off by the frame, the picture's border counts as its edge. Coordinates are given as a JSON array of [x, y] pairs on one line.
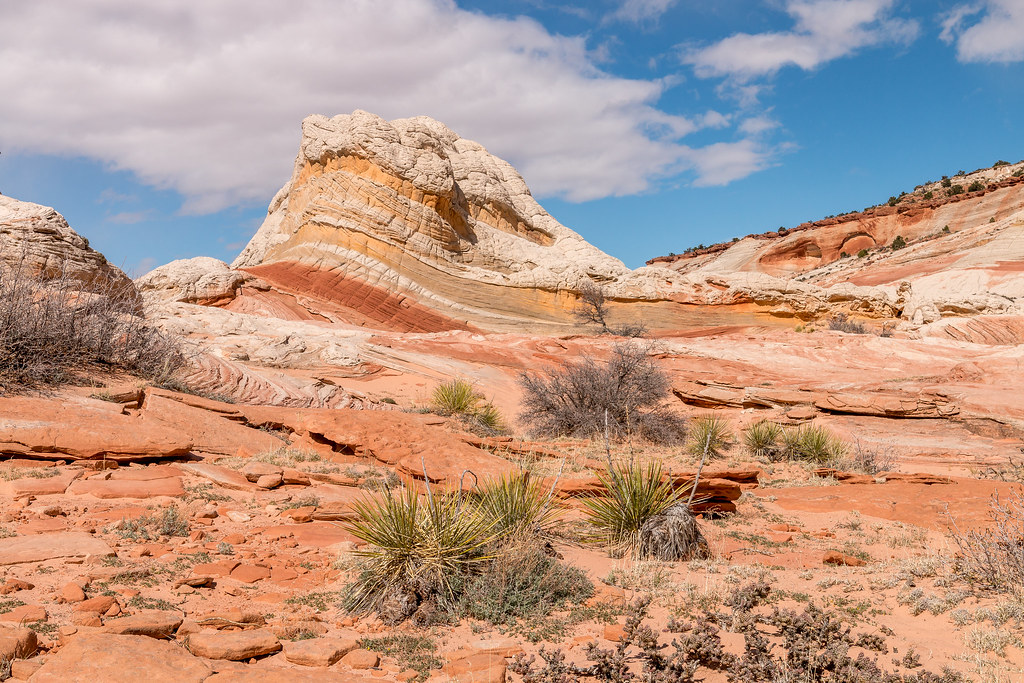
[[41, 547]]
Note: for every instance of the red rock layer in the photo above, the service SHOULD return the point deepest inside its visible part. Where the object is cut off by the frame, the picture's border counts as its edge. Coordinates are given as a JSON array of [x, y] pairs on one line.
[[356, 301]]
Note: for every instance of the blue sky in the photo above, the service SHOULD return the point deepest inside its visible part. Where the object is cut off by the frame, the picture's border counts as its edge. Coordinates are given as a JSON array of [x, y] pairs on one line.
[[161, 130]]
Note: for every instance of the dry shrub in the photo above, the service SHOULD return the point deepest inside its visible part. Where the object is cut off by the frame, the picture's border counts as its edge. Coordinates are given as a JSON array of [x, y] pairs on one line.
[[625, 395], [868, 460], [51, 327], [840, 322], [994, 557]]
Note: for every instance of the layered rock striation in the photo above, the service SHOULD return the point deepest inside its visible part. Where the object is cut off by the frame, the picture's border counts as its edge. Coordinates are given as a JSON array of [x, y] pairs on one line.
[[405, 225]]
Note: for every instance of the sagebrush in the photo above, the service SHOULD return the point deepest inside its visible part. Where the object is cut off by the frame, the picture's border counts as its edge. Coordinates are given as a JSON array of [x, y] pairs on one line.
[[623, 396], [53, 327]]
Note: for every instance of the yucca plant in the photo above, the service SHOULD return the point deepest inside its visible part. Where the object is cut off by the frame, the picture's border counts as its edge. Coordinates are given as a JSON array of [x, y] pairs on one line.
[[634, 493], [708, 435], [820, 445], [489, 419], [706, 439], [762, 438], [811, 443], [418, 549], [456, 397], [517, 504], [459, 399]]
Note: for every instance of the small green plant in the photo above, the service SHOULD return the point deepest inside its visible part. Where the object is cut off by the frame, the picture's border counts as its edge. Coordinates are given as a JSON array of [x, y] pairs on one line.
[[524, 584], [955, 190], [976, 186], [140, 602], [634, 493], [1000, 163], [169, 522], [928, 195], [301, 502], [12, 473], [992, 220], [318, 601], [762, 438], [410, 652], [945, 229], [204, 491], [459, 399], [862, 253], [946, 182], [898, 243]]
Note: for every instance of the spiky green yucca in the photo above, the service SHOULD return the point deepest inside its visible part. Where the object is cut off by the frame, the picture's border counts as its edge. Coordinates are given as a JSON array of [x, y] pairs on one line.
[[762, 438], [457, 397], [488, 417], [812, 443], [516, 504], [633, 494], [460, 399], [414, 544], [708, 436]]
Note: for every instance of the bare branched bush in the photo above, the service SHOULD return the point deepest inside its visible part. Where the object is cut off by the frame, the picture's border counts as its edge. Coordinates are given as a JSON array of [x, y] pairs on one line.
[[53, 327], [994, 557], [868, 460], [626, 394], [840, 322], [592, 309]]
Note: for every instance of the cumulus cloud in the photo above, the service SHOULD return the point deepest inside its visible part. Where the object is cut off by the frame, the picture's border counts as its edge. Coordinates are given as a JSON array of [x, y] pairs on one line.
[[991, 32], [824, 30], [723, 162], [638, 11], [206, 98]]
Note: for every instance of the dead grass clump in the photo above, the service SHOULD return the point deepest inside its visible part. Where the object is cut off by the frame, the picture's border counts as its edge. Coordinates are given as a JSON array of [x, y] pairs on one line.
[[51, 329], [623, 397]]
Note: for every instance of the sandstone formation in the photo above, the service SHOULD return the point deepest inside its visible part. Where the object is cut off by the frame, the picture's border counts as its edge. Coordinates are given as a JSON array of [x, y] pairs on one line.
[[963, 260], [405, 225], [38, 240]]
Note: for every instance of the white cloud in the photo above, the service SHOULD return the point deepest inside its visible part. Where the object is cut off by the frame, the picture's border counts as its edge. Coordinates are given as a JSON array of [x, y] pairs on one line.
[[756, 125], [824, 30], [638, 11], [724, 162], [206, 97], [997, 36]]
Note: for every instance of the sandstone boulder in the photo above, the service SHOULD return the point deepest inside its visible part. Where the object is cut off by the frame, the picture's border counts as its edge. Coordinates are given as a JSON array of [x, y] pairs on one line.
[[233, 645], [108, 658]]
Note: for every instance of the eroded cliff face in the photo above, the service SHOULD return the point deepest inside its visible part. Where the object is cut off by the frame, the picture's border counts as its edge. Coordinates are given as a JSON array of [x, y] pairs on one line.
[[964, 256], [407, 225]]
